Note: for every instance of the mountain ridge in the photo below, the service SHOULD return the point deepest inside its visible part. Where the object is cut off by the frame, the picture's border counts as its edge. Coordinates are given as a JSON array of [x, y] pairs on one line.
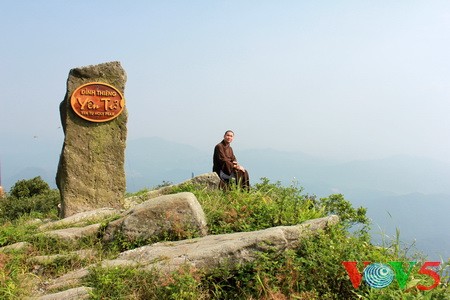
[[400, 192]]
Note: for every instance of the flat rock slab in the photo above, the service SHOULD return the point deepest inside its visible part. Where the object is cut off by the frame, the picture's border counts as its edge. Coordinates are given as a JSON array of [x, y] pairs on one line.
[[20, 246], [82, 218], [224, 250], [74, 233], [78, 293], [206, 253], [70, 279], [50, 259]]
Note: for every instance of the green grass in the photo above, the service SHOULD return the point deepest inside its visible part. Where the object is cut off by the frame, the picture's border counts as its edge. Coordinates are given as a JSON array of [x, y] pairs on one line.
[[312, 271]]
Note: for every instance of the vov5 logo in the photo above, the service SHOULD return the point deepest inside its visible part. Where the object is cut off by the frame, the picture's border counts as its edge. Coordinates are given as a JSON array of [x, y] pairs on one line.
[[379, 275]]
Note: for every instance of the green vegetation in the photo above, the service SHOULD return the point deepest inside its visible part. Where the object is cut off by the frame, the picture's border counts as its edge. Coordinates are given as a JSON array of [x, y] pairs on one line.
[[28, 197], [313, 271]]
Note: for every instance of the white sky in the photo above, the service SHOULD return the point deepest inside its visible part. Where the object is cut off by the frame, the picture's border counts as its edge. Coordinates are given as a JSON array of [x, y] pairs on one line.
[[341, 79]]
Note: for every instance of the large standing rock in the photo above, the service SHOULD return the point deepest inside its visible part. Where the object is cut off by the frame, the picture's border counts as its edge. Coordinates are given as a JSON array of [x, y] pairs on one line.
[[91, 170]]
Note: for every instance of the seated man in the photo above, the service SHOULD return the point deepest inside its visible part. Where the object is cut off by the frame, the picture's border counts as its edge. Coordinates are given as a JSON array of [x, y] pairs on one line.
[[226, 165]]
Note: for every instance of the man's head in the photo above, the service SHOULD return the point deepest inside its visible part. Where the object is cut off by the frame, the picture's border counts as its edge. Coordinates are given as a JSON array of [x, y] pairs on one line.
[[228, 136]]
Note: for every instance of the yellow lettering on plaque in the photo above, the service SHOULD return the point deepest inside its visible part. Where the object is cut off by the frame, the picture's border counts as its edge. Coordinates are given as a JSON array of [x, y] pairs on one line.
[[97, 102]]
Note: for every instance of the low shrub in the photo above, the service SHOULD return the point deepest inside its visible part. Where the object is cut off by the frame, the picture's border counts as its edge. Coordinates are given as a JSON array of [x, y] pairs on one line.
[[32, 196], [27, 188], [41, 205], [266, 205]]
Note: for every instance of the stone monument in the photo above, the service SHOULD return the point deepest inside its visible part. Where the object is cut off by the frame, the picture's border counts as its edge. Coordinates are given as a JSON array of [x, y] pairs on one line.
[[91, 171]]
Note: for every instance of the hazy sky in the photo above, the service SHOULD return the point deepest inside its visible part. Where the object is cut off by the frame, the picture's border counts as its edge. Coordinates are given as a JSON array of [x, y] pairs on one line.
[[341, 79]]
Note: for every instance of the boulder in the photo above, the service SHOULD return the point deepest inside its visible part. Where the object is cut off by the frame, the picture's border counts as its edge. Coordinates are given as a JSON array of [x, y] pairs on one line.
[[91, 170], [175, 216], [206, 180], [209, 180]]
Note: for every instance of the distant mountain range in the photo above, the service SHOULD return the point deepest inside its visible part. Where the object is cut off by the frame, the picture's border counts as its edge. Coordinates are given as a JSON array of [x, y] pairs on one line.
[[150, 161], [153, 160], [408, 193]]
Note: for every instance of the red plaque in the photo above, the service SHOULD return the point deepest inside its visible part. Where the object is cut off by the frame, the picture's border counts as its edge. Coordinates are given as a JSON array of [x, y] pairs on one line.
[[97, 102]]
